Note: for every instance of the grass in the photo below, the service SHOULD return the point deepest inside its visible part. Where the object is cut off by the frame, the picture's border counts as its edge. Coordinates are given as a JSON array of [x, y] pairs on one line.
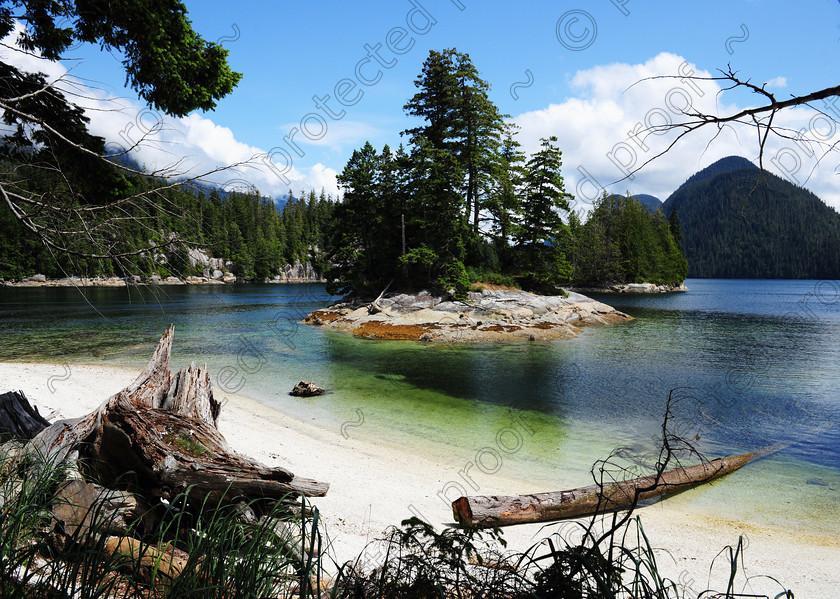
[[255, 550], [481, 278], [246, 549]]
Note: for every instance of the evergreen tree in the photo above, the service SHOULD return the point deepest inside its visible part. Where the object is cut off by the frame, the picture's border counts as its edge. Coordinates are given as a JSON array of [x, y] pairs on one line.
[[356, 256], [505, 199], [674, 225], [436, 255], [540, 228], [460, 119]]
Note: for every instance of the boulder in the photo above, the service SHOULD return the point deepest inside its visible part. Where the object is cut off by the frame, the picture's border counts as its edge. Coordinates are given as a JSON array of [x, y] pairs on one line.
[[306, 389]]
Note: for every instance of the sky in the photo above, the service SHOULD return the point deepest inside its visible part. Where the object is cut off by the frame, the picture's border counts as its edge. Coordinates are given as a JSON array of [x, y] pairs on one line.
[[321, 78]]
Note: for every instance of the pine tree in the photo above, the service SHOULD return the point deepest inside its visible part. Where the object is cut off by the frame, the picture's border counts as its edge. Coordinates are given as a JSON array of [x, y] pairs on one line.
[[504, 202], [540, 227], [354, 234], [461, 120]]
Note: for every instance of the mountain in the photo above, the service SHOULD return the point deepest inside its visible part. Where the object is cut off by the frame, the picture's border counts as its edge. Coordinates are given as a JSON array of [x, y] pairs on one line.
[[652, 203], [724, 165], [740, 222]]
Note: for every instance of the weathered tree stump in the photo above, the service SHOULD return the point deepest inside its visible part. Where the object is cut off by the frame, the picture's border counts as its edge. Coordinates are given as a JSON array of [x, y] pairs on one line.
[[158, 438]]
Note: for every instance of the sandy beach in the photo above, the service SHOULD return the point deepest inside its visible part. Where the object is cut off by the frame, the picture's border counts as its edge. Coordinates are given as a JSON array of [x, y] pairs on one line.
[[375, 485]]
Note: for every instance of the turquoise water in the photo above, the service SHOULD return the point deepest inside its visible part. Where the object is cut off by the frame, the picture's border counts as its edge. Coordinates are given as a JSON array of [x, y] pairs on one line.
[[747, 363]]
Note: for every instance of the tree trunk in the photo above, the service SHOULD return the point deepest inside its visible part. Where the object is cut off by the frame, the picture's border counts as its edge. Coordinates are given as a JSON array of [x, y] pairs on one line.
[[158, 438], [489, 511]]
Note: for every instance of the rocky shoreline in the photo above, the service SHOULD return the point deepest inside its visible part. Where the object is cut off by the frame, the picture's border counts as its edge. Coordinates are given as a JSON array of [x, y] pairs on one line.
[[489, 315], [36, 281], [289, 276], [214, 271], [631, 288]]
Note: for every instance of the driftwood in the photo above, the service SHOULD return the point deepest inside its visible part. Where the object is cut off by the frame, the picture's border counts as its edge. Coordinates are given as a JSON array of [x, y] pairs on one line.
[[374, 307], [496, 510], [18, 418], [158, 438]]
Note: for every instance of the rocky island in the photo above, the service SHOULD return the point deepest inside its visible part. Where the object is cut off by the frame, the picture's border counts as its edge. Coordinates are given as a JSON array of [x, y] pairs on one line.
[[487, 315]]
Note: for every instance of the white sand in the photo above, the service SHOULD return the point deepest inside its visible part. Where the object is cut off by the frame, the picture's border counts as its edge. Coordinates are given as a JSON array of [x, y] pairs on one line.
[[375, 485]]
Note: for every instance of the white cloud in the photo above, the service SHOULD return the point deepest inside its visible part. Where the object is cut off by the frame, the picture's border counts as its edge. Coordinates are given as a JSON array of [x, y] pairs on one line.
[[609, 129], [777, 82], [190, 146]]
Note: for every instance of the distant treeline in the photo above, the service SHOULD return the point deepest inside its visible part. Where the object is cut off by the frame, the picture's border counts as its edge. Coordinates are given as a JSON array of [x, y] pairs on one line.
[[460, 203], [622, 241], [244, 228]]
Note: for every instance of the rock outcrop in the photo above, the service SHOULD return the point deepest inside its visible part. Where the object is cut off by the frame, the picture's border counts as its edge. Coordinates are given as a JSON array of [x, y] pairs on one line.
[[489, 315], [298, 272], [306, 389], [632, 288], [212, 268]]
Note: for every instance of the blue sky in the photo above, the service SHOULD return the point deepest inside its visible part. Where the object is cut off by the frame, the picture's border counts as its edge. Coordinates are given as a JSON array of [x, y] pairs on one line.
[[558, 68]]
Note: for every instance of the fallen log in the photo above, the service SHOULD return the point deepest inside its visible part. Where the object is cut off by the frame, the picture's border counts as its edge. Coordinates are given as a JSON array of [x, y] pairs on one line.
[[158, 438], [497, 510]]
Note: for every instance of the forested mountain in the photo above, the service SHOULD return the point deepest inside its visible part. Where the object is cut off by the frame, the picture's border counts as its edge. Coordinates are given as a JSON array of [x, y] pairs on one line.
[[740, 222], [724, 165]]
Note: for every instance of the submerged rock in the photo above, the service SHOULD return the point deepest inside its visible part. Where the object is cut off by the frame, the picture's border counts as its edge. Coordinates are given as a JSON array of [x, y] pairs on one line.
[[306, 389]]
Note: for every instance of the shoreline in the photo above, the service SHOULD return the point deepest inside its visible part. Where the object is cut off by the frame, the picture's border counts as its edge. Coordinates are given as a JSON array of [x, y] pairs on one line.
[[631, 288], [375, 484], [138, 282]]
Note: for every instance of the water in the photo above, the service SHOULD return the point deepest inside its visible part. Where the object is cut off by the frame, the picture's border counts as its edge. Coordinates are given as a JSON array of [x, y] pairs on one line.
[[746, 363]]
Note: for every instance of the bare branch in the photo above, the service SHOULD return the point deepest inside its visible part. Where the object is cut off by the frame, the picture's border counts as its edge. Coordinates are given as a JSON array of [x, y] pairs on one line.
[[762, 117]]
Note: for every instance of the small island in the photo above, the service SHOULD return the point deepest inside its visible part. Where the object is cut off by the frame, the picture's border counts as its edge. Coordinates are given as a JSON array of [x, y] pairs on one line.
[[488, 315], [474, 239]]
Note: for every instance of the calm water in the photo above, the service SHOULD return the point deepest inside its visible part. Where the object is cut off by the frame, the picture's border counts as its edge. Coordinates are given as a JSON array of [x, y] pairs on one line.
[[747, 363]]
